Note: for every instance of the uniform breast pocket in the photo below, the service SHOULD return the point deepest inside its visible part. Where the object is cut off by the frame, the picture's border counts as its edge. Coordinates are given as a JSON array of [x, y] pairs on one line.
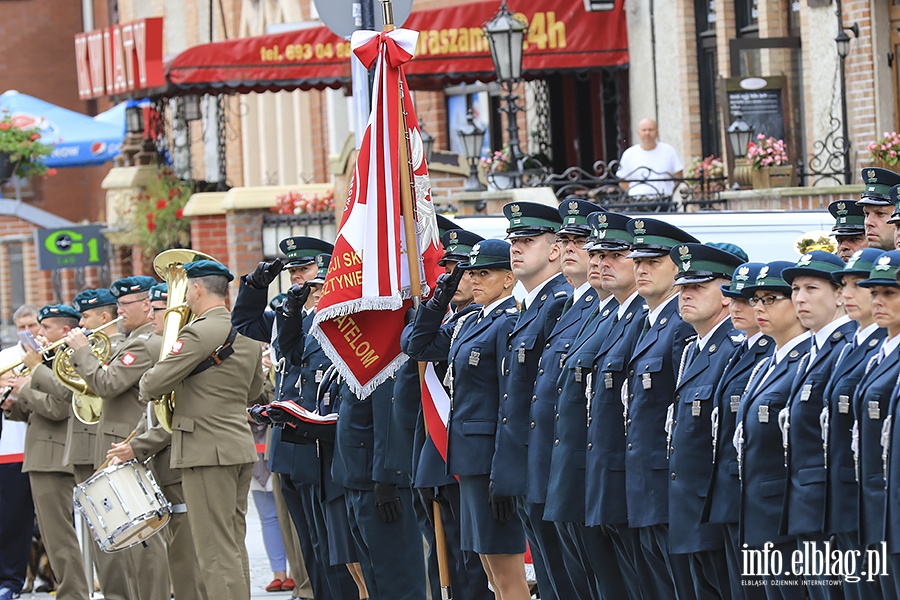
[[649, 375], [697, 407], [522, 351], [478, 427], [606, 386]]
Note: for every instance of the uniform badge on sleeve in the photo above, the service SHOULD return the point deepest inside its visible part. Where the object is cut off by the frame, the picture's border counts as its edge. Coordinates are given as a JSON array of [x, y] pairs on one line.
[[176, 347], [128, 359]]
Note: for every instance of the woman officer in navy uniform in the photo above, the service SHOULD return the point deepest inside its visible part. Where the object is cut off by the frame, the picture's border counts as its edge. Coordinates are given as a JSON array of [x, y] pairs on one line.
[[757, 438], [489, 525]]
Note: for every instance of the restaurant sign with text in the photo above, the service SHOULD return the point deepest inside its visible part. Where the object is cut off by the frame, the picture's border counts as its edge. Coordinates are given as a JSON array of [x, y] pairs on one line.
[[120, 59], [70, 247]]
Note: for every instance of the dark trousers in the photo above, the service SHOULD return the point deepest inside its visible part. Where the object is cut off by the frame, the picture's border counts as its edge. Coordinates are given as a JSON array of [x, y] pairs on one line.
[[627, 542], [467, 577], [741, 587], [16, 525], [863, 589], [391, 555], [328, 582], [820, 587], [556, 566], [611, 578], [784, 587], [709, 574]]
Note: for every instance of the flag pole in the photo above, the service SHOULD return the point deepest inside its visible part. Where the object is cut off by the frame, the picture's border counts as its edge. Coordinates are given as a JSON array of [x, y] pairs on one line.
[[407, 208], [407, 193]]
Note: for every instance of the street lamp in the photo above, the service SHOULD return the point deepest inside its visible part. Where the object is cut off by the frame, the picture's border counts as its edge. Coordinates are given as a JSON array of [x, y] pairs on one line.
[[842, 42], [427, 142], [740, 133], [506, 35], [472, 138], [134, 119]]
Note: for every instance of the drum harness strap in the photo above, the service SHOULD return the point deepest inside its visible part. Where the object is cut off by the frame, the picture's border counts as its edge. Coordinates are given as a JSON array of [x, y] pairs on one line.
[[218, 355]]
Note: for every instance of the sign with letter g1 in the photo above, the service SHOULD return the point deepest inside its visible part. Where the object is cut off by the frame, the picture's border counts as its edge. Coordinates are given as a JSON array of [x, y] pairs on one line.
[[70, 247]]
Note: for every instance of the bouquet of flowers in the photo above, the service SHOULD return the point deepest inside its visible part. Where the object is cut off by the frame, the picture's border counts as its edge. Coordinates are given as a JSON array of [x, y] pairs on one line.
[[498, 161], [23, 147], [296, 203], [157, 215], [766, 152], [710, 167], [887, 149]]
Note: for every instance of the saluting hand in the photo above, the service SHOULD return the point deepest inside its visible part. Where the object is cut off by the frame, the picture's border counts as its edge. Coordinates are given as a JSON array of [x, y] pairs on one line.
[[264, 274], [445, 288]]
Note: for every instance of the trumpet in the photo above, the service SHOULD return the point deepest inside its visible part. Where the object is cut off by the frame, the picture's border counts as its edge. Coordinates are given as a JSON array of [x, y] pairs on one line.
[[86, 405]]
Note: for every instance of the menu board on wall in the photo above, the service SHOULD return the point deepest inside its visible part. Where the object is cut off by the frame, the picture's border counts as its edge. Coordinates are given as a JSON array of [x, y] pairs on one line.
[[760, 102]]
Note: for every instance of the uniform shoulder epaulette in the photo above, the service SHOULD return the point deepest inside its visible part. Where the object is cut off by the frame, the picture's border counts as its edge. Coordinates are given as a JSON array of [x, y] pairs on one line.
[[837, 335], [739, 338], [512, 311], [561, 294], [145, 336]]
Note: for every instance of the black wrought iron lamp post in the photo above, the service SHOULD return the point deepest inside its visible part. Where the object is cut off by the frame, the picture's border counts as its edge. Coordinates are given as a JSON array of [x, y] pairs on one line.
[[506, 34], [842, 41], [472, 138], [740, 134]]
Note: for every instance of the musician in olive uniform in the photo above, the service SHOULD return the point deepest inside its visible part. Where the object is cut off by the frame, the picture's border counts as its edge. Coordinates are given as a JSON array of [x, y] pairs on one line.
[[46, 405], [702, 269], [216, 372], [153, 444], [139, 571]]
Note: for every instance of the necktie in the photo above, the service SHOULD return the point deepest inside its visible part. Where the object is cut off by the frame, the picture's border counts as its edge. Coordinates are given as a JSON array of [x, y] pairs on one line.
[[567, 305], [646, 326], [813, 350], [695, 352]]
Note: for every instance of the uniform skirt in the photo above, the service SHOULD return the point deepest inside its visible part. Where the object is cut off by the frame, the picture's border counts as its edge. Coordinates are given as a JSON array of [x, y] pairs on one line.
[[479, 531]]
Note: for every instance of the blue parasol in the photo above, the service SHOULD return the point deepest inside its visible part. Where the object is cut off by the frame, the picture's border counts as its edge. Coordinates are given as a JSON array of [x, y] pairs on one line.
[[78, 140]]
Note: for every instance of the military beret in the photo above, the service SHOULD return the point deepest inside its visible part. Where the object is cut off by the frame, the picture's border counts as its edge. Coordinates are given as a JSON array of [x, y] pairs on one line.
[[93, 298], [608, 232], [859, 264], [769, 278], [489, 254], [322, 263], [653, 237], [878, 184], [744, 274], [131, 285], [58, 310], [457, 245], [159, 292], [849, 218], [699, 263], [527, 219], [205, 268], [574, 214], [302, 250], [884, 271], [277, 301], [817, 263]]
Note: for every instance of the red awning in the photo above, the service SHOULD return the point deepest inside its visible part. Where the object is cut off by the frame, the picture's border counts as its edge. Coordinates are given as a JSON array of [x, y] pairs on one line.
[[562, 36]]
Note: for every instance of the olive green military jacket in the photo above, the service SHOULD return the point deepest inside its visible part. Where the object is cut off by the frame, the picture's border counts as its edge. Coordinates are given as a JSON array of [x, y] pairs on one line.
[[117, 383], [210, 421], [153, 443], [81, 438], [46, 405]]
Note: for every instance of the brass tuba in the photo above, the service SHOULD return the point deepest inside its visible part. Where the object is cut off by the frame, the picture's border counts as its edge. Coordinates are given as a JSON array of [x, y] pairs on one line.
[[169, 266], [86, 405]]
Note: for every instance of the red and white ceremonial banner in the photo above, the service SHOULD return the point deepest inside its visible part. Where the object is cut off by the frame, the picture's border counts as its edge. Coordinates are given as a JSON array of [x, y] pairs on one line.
[[361, 313], [435, 409]]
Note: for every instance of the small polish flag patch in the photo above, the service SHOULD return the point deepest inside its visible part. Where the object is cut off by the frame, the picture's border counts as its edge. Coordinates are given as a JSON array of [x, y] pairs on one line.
[[128, 359], [176, 347]]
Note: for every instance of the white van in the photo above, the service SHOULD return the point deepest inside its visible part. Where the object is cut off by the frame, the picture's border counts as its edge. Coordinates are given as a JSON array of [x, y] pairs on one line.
[[764, 235]]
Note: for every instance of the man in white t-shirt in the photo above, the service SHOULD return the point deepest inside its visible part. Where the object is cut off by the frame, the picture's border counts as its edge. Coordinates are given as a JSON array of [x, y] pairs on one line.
[[652, 162], [16, 508]]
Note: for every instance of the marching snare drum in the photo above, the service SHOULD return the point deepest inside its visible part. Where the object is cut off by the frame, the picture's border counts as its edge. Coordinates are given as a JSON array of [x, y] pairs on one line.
[[122, 505]]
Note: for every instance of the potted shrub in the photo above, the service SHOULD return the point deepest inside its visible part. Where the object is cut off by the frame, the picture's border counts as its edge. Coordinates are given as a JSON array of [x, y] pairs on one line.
[[21, 151], [769, 167], [885, 153]]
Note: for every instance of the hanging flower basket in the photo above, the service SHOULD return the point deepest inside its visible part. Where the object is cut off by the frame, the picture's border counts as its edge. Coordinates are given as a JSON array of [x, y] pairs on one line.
[[23, 148], [297, 203], [157, 216]]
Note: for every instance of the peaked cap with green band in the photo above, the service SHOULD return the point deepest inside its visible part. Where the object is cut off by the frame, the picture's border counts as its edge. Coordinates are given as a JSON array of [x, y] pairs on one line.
[[884, 271], [849, 218], [58, 310], [323, 261], [770, 278], [93, 298], [653, 237], [489, 254], [699, 263], [878, 184], [574, 214], [527, 219], [859, 264], [457, 245], [608, 232], [745, 274], [895, 218], [301, 250], [444, 224], [817, 263]]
